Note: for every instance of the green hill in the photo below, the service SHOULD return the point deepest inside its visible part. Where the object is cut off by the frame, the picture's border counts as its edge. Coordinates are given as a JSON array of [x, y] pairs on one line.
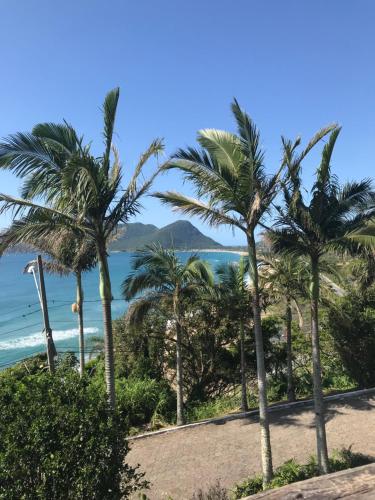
[[181, 235]]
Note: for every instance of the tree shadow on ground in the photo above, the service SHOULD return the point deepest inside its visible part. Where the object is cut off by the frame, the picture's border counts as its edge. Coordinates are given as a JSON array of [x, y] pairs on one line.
[[292, 416]]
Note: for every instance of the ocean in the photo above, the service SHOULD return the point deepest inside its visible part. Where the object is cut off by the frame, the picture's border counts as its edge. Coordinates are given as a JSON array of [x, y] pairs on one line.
[[21, 318]]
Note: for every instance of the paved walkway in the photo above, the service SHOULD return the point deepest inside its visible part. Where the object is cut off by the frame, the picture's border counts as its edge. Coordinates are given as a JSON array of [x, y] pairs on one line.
[[179, 463]]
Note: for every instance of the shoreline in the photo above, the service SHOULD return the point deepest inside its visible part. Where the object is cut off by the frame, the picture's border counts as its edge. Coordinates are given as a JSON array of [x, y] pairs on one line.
[[197, 250], [216, 250]]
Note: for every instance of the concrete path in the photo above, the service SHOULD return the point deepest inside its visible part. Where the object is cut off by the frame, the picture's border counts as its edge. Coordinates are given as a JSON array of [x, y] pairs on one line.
[[179, 463]]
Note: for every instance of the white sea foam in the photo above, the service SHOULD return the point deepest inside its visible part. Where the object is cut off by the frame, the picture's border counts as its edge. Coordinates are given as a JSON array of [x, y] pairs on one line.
[[38, 339]]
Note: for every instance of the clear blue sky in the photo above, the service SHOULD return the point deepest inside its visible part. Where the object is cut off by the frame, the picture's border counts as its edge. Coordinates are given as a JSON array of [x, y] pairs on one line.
[[294, 65]]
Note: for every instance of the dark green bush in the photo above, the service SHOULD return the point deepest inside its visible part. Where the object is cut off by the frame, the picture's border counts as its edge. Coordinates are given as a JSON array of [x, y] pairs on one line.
[[58, 440], [351, 323], [248, 487], [143, 401], [291, 471]]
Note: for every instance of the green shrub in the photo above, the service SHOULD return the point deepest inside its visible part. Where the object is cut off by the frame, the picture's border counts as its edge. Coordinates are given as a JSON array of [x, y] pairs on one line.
[[58, 440], [248, 487], [351, 323], [143, 401], [346, 459], [291, 471], [213, 408]]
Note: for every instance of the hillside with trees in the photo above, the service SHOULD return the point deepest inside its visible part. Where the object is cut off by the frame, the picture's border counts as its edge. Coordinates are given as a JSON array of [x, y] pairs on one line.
[[180, 235]]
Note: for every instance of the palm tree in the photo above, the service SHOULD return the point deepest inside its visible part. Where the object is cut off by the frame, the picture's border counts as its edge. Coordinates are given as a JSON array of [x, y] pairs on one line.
[[233, 189], [311, 229], [286, 277], [234, 290], [70, 253], [81, 193], [166, 280]]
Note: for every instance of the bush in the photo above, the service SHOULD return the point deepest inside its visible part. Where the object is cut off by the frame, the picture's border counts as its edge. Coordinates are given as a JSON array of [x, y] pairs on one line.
[[248, 487], [58, 440], [215, 492], [145, 401], [291, 471], [351, 323]]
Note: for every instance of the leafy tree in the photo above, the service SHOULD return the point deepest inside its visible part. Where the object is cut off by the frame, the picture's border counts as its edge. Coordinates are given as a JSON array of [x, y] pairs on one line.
[[312, 228], [81, 192], [351, 323], [142, 351], [165, 279], [211, 357], [59, 441], [234, 189]]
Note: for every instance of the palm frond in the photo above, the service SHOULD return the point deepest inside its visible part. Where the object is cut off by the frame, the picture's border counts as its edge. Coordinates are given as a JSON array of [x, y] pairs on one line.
[[191, 206], [139, 309], [324, 179], [250, 137], [58, 135], [129, 203], [224, 147], [19, 205], [49, 266], [25, 154], [364, 236], [315, 139], [109, 112]]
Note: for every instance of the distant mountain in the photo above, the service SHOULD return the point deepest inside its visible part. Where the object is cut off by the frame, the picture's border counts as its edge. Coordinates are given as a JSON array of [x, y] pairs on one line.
[[181, 235]]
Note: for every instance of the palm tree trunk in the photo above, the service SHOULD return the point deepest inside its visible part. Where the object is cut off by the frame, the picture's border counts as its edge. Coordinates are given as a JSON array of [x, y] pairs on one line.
[[179, 370], [321, 439], [80, 323], [265, 437], [289, 354], [106, 297], [179, 376], [244, 406]]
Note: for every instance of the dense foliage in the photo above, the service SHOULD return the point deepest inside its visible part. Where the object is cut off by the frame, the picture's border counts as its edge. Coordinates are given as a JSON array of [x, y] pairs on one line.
[[351, 322], [291, 472], [59, 441], [188, 342]]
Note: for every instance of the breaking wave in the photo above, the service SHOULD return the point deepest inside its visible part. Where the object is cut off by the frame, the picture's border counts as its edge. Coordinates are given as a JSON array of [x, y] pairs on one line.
[[38, 339]]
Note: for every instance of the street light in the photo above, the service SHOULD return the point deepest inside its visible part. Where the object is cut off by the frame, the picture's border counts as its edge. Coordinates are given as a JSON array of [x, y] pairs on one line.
[[33, 267]]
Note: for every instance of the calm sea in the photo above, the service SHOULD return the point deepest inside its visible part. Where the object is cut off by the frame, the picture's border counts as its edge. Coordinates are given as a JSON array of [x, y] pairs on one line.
[[20, 314]]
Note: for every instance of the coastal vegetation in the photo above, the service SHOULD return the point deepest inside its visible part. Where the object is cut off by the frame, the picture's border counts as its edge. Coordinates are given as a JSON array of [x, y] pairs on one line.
[[294, 317], [81, 192]]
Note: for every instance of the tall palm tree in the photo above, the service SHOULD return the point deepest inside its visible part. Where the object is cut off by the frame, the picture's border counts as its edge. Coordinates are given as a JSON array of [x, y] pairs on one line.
[[286, 277], [81, 192], [234, 189], [165, 279], [313, 227], [233, 287]]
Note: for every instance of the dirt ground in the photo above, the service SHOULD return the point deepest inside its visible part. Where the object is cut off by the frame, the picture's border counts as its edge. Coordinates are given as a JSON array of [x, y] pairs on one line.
[[179, 463]]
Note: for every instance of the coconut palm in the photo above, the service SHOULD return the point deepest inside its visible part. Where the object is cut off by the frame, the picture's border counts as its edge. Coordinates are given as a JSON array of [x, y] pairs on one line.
[[233, 288], [81, 192], [166, 280], [311, 228], [234, 189], [285, 277]]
